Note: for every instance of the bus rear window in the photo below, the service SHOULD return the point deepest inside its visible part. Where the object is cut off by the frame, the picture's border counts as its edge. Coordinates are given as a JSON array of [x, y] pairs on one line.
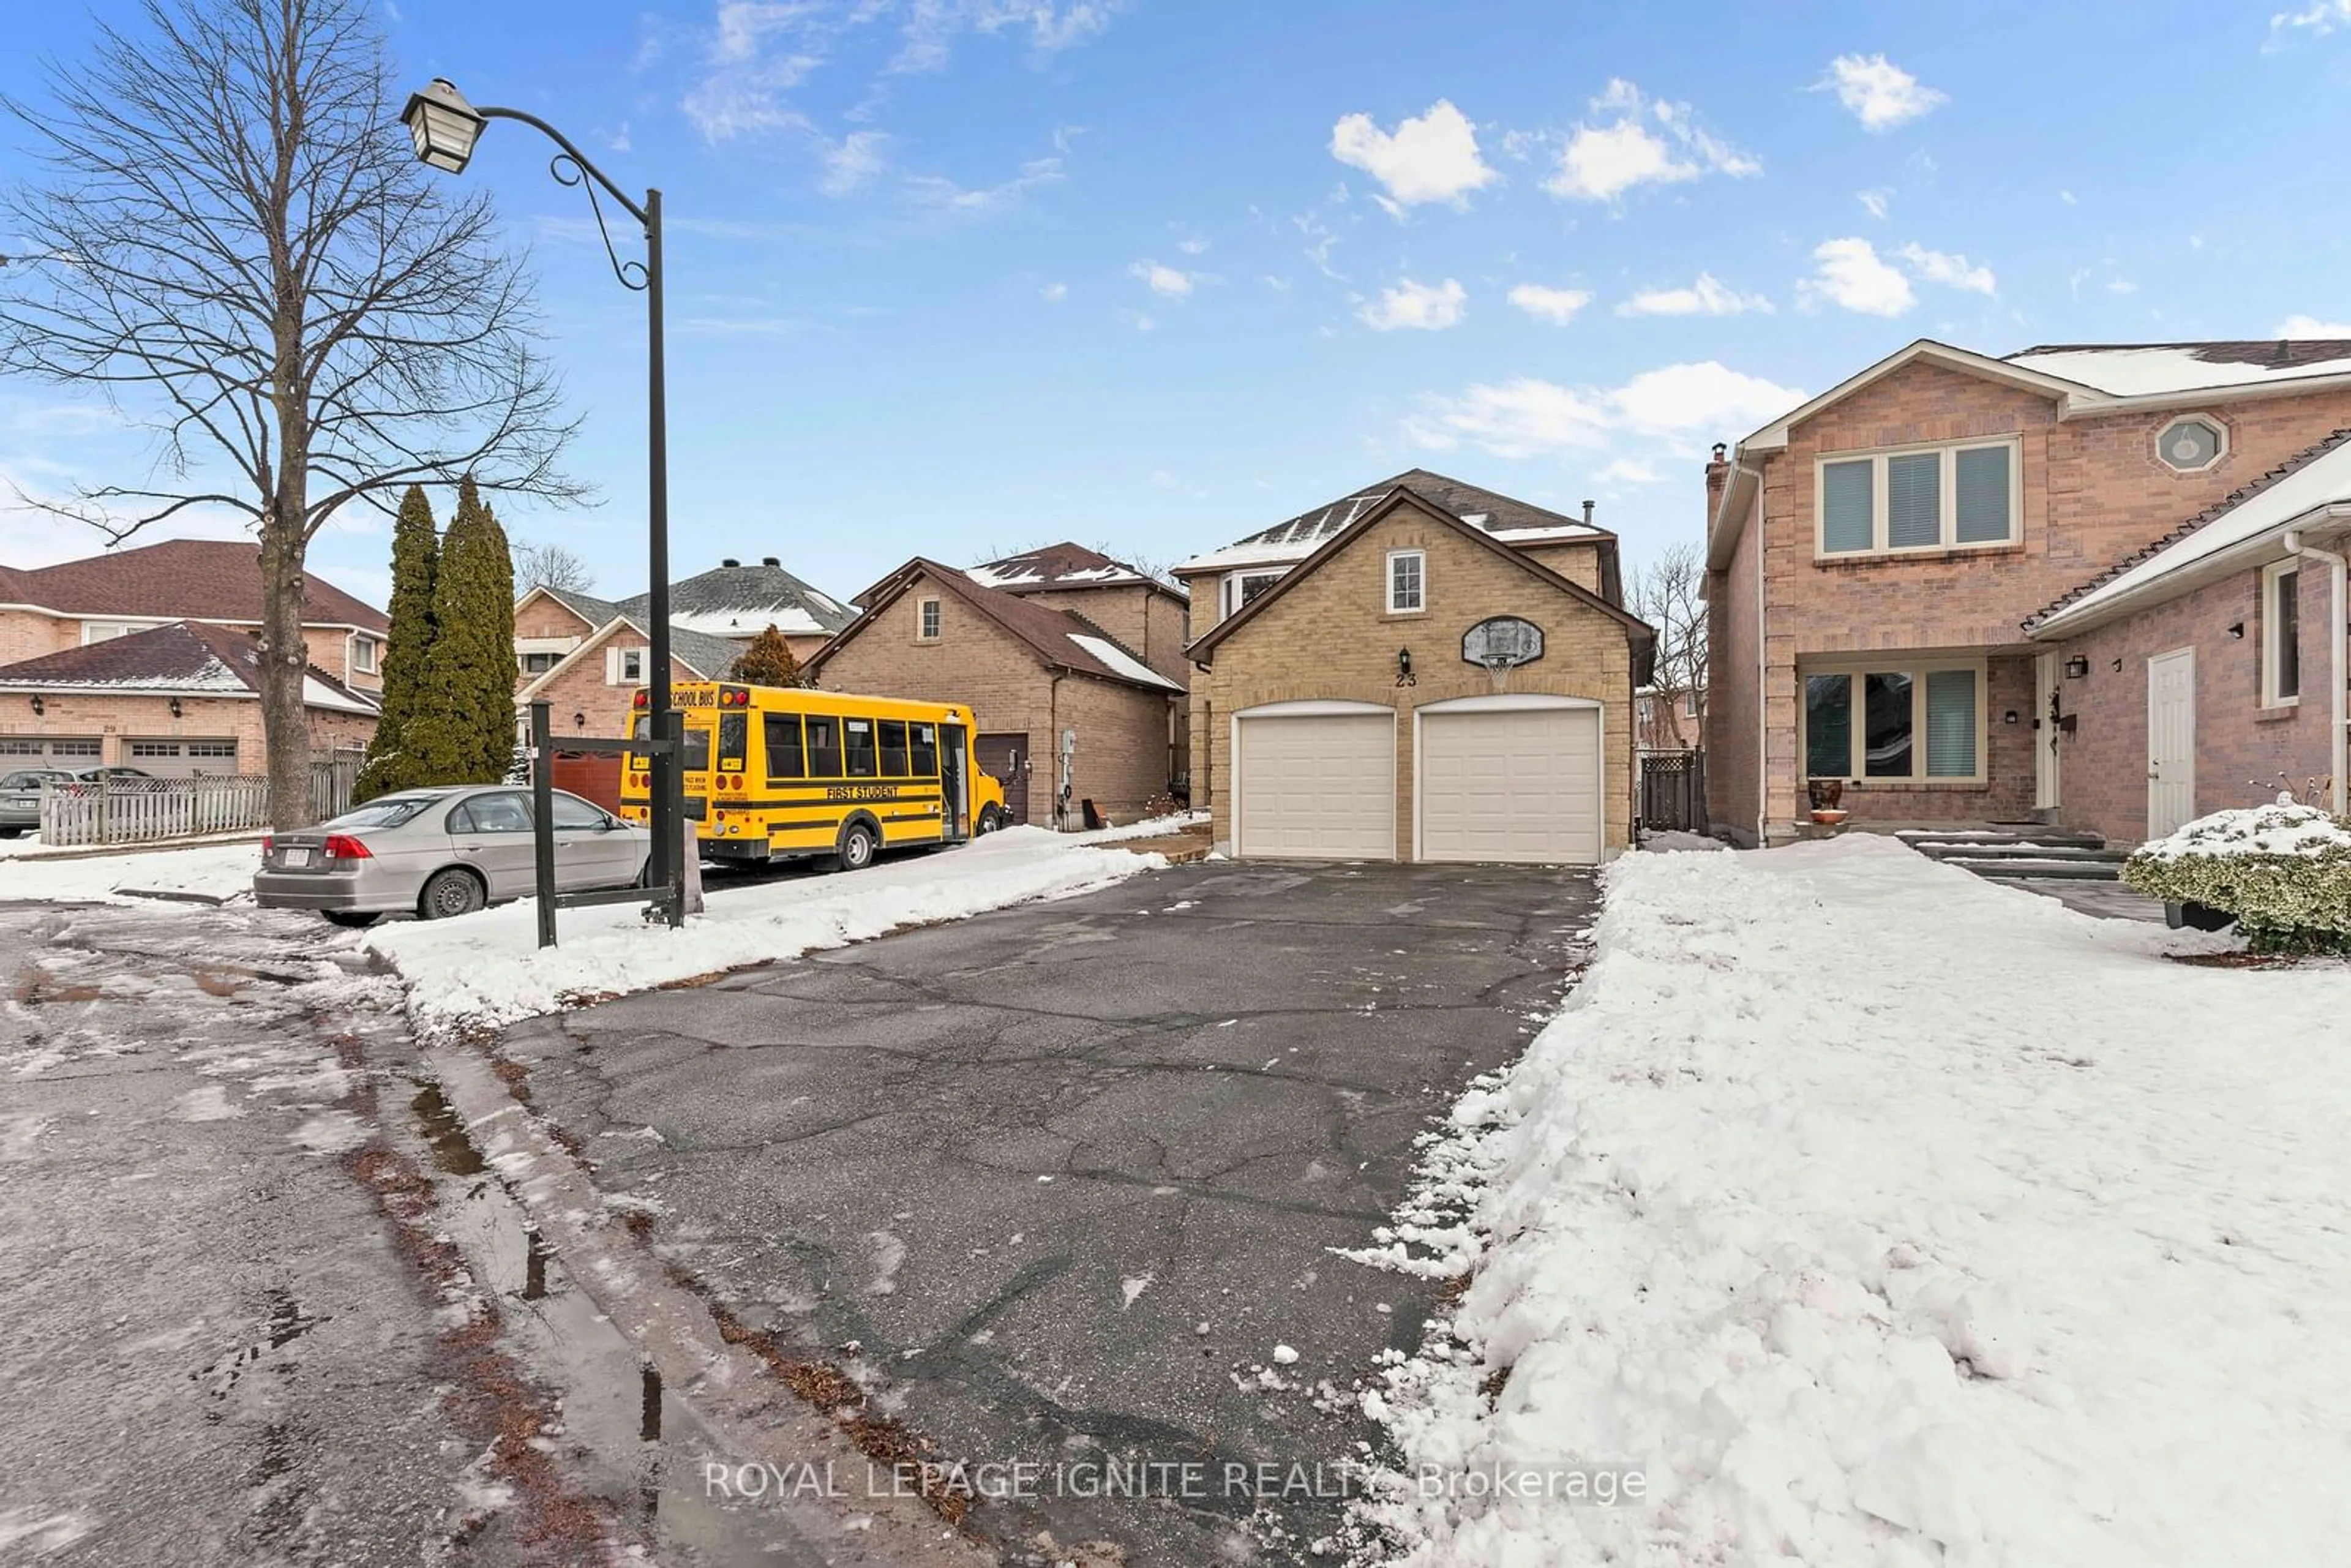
[[697, 746], [862, 759], [926, 750], [734, 737], [785, 760], [824, 747], [894, 748]]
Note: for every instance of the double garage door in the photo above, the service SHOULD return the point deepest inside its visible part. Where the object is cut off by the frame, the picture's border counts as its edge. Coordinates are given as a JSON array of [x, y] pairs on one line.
[[1514, 780]]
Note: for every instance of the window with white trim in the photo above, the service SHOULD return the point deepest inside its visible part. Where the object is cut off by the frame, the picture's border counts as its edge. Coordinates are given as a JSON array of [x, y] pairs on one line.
[[926, 621], [538, 664], [363, 655], [2281, 635], [1407, 582], [1240, 588], [107, 631], [154, 748], [1895, 723], [624, 666], [1962, 497]]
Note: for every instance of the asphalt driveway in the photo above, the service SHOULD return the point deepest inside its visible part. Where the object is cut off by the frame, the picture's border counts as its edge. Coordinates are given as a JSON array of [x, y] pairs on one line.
[[1068, 1174]]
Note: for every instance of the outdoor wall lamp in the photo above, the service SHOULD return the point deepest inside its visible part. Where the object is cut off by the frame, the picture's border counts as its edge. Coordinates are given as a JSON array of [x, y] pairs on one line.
[[176, 707], [2119, 666], [1404, 667], [2238, 631], [2009, 717], [2077, 667], [579, 720], [38, 707]]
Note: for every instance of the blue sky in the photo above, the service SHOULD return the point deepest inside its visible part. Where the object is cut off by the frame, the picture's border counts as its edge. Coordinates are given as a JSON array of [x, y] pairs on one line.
[[949, 276]]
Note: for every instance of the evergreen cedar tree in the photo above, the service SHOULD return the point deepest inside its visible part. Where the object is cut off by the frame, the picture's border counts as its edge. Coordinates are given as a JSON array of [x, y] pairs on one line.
[[465, 733], [416, 566], [767, 661]]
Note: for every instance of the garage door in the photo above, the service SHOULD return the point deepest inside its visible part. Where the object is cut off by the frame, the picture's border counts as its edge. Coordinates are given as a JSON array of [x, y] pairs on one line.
[[72, 753], [1513, 784], [182, 759], [1001, 757], [1318, 786]]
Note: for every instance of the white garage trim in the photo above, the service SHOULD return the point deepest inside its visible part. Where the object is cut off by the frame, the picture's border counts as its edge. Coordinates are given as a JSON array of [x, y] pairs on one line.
[[1515, 703], [1330, 708]]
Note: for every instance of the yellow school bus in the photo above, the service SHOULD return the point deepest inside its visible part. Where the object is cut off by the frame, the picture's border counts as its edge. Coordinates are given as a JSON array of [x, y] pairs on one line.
[[777, 773]]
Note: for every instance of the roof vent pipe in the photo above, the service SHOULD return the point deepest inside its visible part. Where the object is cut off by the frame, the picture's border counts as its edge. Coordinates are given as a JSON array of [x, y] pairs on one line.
[[769, 560], [1587, 514], [730, 560]]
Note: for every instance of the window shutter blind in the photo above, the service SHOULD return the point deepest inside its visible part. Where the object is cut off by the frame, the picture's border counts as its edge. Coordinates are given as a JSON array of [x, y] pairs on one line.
[[1847, 515], [1982, 492], [611, 666], [1950, 724], [1913, 500]]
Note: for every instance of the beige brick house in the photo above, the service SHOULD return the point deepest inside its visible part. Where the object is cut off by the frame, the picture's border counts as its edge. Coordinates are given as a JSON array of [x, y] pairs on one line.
[[141, 657], [1425, 671], [2099, 586], [1071, 662]]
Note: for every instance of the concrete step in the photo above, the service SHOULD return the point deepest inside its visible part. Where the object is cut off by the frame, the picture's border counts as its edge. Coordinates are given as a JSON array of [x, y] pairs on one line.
[[1983, 837], [2010, 868], [1998, 851]]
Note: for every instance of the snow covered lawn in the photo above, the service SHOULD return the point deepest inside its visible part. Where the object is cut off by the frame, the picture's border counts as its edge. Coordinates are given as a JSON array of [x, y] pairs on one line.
[[216, 872], [485, 968], [1879, 1215]]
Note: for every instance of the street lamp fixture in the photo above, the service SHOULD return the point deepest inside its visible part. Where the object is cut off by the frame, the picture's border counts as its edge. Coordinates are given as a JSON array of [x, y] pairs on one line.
[[446, 129]]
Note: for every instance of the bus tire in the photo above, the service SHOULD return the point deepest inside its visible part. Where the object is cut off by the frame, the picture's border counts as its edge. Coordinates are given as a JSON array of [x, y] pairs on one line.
[[451, 891], [991, 820], [860, 842]]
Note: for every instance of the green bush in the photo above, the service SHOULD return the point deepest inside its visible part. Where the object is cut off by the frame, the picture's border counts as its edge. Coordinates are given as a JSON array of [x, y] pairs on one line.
[[2283, 869]]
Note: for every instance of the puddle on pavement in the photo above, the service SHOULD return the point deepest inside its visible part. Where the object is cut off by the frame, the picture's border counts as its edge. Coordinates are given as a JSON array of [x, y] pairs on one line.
[[634, 1441], [286, 1322], [444, 1133]]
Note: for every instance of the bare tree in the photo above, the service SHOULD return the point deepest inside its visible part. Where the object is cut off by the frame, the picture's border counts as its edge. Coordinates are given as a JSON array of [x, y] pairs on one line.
[[551, 566], [238, 248], [1666, 594]]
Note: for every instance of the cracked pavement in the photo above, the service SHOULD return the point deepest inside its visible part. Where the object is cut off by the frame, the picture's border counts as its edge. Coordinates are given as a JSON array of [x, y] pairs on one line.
[[1067, 1173]]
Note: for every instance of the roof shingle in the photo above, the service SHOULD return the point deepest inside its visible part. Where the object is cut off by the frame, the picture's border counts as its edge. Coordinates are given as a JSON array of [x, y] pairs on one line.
[[196, 579], [186, 658]]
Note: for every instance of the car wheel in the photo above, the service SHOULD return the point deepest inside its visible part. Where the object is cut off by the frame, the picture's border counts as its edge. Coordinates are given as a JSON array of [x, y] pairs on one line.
[[991, 820], [858, 845], [451, 891], [10, 832], [356, 919]]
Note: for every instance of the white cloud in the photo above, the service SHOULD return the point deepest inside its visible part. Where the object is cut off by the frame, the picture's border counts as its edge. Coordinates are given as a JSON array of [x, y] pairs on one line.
[[1193, 246], [1054, 293], [1850, 273], [1529, 417], [934, 190], [1629, 471], [1876, 201], [2312, 327], [855, 161], [1556, 306], [2318, 19], [1953, 271], [2122, 285], [1167, 282], [934, 26], [1879, 93], [2068, 198], [1645, 141], [1708, 297], [1427, 306], [1431, 159]]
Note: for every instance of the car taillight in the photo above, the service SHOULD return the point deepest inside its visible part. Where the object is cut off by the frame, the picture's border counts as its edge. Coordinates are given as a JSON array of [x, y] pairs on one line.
[[343, 847], [269, 846]]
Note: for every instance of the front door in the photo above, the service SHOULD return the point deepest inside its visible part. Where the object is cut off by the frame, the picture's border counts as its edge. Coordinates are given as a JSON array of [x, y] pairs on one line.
[[2171, 741], [2048, 699]]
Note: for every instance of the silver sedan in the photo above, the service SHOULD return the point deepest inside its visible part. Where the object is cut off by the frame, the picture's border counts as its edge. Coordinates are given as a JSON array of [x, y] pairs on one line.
[[439, 852]]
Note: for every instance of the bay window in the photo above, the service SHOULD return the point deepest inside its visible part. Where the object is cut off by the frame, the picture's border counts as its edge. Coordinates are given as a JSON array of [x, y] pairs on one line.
[[1895, 723], [1935, 498]]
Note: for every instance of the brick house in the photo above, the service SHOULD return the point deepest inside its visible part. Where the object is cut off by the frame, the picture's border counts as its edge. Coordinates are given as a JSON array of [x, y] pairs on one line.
[[176, 701], [1666, 720], [738, 602], [1061, 652], [143, 705], [1343, 705], [2093, 585]]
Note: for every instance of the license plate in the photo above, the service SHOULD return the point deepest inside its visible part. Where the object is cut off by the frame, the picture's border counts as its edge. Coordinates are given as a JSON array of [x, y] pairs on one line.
[[297, 859], [23, 803]]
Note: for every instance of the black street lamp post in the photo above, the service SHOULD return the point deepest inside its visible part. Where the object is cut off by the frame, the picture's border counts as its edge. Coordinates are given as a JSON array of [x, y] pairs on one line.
[[446, 127]]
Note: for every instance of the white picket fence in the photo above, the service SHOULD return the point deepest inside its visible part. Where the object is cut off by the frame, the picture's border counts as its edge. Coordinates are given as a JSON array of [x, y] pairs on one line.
[[148, 810]]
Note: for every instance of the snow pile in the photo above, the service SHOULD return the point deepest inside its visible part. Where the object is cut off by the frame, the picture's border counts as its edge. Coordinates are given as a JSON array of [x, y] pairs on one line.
[[485, 968], [2281, 828], [1875, 1214], [1163, 827], [205, 875]]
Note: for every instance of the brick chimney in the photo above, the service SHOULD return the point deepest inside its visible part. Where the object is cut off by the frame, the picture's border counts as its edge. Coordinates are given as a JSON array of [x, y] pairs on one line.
[[1718, 475]]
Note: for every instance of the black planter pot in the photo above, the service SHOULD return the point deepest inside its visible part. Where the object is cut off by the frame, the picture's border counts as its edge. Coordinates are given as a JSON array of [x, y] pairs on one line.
[[2196, 917]]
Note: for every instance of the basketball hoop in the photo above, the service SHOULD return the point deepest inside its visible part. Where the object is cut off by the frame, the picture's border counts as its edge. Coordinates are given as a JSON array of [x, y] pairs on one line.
[[1499, 667]]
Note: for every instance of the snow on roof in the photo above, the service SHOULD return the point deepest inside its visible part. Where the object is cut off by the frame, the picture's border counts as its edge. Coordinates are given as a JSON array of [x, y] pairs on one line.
[[2155, 369], [1497, 516], [744, 622], [1120, 660], [317, 693], [2324, 479], [1064, 565]]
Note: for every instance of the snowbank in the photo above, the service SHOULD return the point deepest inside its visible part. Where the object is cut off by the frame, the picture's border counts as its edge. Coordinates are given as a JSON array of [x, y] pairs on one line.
[[211, 873], [1879, 1215], [1149, 828], [485, 968], [2282, 827]]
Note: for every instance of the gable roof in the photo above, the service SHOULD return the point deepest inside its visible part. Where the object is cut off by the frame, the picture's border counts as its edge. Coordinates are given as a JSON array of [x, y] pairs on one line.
[[1061, 639], [1642, 636], [595, 611], [707, 657], [194, 579], [1065, 565], [2313, 479], [1504, 517], [732, 600], [186, 658]]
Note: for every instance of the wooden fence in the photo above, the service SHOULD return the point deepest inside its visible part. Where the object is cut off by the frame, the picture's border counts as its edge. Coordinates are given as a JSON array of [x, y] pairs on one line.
[[1672, 791], [149, 810]]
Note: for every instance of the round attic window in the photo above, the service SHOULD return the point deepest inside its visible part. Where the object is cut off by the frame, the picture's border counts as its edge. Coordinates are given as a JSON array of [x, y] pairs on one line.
[[2190, 446]]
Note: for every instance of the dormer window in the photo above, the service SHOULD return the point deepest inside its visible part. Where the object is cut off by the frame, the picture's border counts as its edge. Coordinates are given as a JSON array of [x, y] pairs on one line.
[[1240, 588], [2193, 444]]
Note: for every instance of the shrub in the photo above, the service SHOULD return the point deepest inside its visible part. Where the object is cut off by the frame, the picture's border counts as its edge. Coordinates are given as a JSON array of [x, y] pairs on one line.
[[2283, 869]]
